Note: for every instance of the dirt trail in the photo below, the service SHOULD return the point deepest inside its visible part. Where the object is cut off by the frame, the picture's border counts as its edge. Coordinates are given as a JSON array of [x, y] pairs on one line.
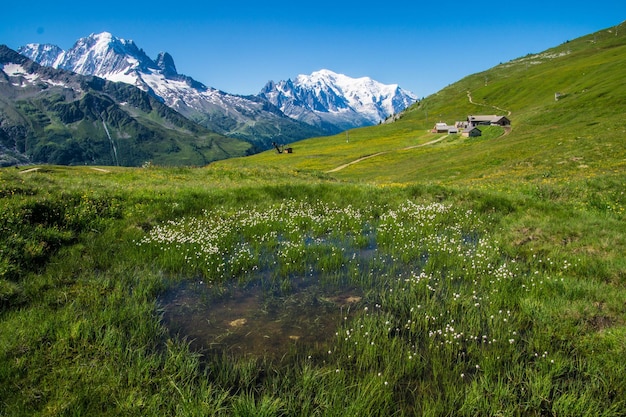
[[37, 169], [29, 170], [469, 96], [339, 168]]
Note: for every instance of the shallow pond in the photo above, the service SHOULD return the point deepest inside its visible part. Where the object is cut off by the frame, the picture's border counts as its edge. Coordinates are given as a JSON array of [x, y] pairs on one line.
[[258, 319]]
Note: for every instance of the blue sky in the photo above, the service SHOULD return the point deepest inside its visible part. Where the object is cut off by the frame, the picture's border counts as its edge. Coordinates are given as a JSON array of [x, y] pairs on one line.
[[237, 46]]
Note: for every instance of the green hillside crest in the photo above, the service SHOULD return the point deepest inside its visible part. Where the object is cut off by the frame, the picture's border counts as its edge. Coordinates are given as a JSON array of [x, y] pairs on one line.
[[556, 100]]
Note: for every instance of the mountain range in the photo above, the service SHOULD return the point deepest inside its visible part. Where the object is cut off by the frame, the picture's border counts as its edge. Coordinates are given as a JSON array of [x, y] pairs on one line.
[[106, 56], [336, 102], [284, 111], [50, 115]]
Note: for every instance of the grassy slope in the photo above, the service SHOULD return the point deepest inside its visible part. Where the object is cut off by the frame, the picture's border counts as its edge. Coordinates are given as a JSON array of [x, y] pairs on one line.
[[79, 325], [576, 136]]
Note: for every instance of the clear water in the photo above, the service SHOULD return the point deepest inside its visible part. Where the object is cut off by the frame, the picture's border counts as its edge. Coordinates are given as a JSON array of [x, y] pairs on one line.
[[260, 318]]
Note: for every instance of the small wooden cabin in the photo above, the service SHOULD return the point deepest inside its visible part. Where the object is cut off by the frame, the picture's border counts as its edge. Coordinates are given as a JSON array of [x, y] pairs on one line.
[[471, 132]]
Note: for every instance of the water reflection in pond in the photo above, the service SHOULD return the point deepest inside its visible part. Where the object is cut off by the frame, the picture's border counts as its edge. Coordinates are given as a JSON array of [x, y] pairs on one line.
[[259, 319]]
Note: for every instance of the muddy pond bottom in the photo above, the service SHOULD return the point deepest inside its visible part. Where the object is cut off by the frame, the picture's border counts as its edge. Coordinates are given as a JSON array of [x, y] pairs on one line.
[[258, 319]]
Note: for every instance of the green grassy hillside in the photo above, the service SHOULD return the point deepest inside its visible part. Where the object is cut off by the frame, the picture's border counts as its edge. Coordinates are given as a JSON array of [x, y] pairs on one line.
[[580, 134]]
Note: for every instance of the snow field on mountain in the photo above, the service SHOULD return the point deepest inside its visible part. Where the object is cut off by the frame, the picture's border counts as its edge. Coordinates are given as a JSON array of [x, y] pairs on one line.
[[323, 98]]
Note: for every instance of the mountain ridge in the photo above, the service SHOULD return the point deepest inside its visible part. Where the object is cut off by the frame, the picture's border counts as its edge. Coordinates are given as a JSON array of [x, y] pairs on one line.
[[325, 98], [253, 118], [119, 60], [55, 116]]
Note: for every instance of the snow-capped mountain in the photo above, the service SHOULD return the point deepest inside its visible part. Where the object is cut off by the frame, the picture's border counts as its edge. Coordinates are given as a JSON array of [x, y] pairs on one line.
[[327, 99], [54, 116], [44, 54], [116, 59], [321, 103]]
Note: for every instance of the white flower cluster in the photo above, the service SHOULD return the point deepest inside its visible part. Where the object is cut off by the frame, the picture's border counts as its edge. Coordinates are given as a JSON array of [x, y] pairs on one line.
[[222, 244], [438, 279]]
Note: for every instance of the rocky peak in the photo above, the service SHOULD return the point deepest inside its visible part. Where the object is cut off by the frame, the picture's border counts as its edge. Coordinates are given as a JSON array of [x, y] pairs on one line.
[[166, 63]]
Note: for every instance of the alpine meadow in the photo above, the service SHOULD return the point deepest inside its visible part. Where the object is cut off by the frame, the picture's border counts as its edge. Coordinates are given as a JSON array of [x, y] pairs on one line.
[[393, 270]]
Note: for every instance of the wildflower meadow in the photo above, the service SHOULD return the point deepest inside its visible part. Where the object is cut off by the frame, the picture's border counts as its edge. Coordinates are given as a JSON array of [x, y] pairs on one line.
[[301, 299]]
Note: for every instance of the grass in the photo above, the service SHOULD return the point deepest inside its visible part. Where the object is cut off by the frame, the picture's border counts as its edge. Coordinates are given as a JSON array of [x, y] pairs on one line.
[[491, 270], [470, 292]]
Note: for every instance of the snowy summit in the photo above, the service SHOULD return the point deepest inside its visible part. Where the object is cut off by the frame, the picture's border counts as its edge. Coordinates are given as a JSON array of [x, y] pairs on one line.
[[321, 103], [325, 97]]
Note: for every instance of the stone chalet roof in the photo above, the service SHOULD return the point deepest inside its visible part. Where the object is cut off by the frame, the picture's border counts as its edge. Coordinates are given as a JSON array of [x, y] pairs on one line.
[[483, 117]]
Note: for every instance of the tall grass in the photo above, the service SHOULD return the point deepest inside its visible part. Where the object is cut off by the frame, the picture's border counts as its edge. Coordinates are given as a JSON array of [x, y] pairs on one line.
[[475, 301]]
